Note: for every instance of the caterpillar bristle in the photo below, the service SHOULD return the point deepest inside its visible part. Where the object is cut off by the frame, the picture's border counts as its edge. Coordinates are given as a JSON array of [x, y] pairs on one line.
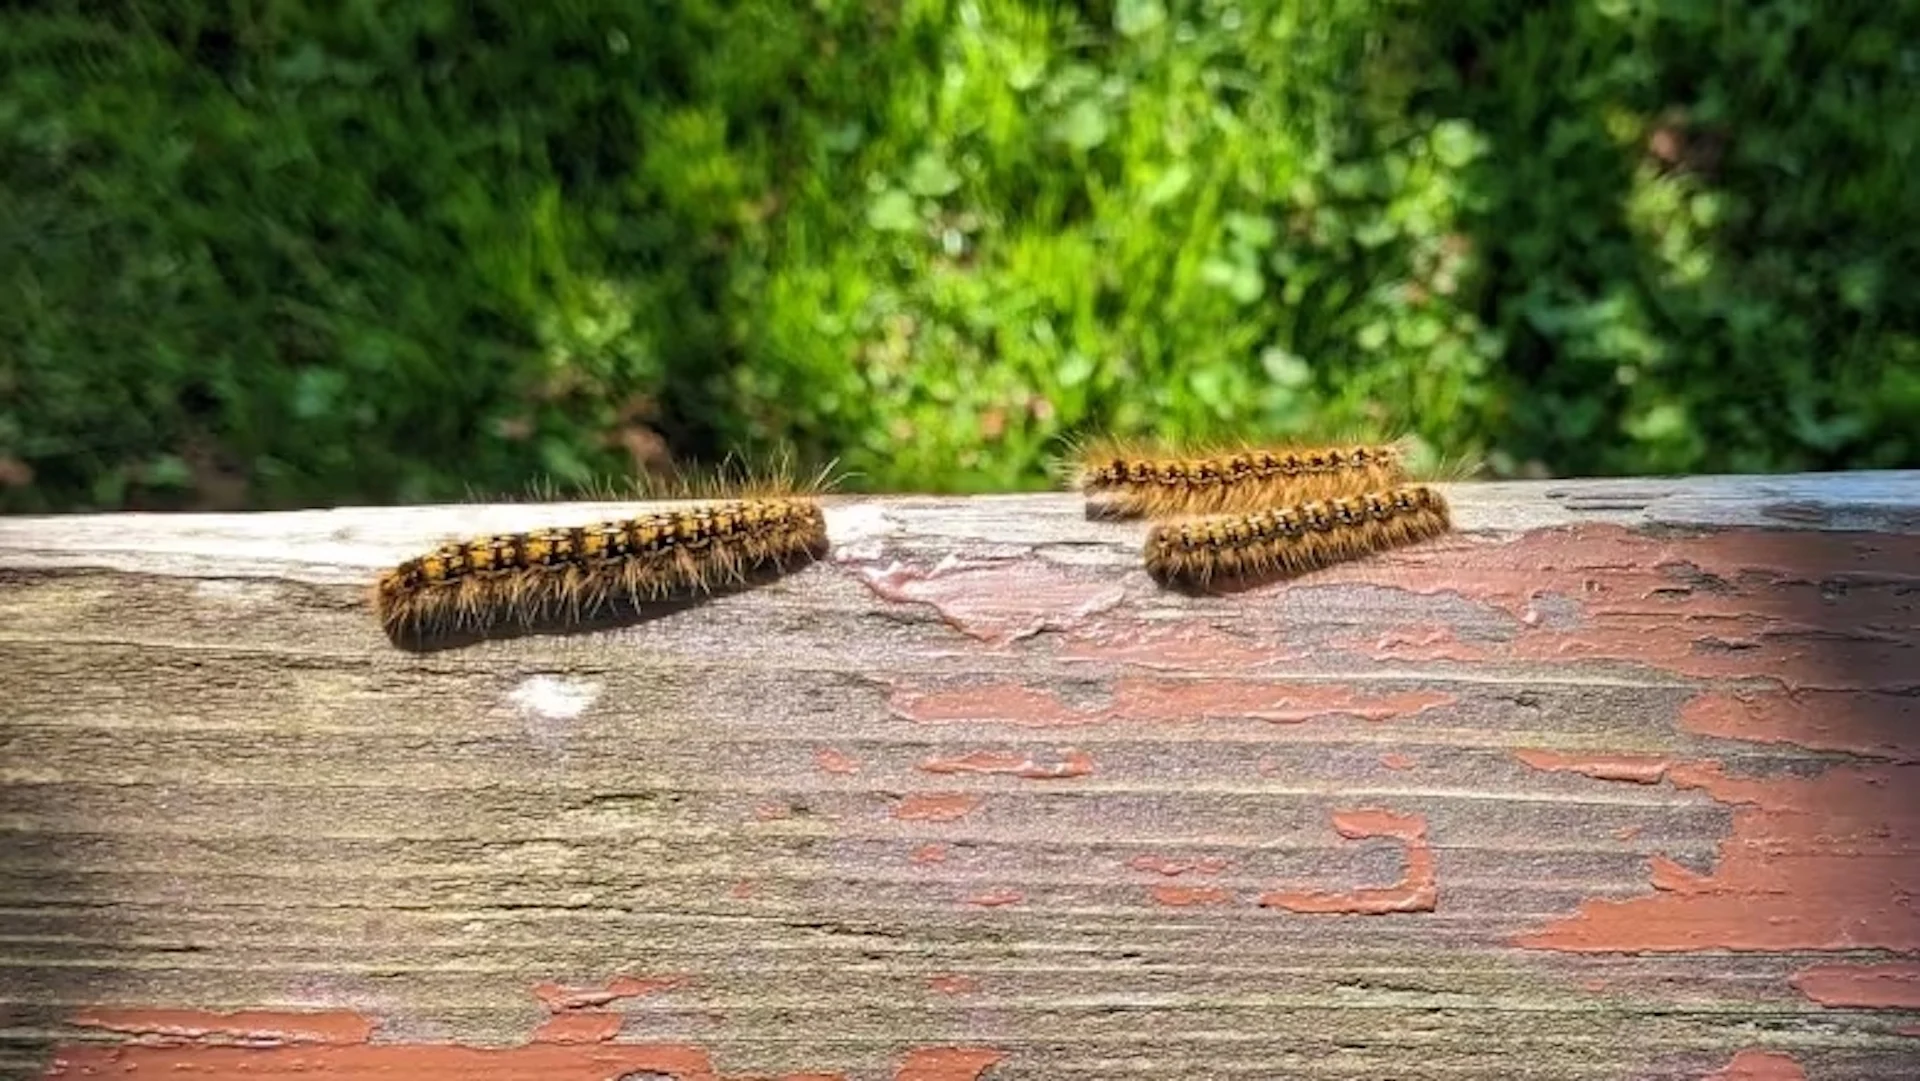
[[569, 572], [1131, 480], [1294, 539], [777, 477]]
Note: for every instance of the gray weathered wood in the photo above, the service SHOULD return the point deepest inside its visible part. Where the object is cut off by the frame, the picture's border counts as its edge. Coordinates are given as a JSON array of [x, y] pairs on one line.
[[976, 782]]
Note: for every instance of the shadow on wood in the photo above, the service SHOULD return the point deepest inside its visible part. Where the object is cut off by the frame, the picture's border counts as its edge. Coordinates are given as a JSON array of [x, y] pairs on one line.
[[607, 614]]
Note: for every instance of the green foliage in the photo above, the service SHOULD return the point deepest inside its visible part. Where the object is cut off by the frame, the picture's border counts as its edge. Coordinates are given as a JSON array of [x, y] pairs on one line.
[[1210, 222], [366, 251], [274, 252], [1702, 216]]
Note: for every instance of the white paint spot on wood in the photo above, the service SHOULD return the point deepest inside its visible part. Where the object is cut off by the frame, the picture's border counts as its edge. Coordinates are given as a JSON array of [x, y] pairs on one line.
[[549, 703], [551, 698], [858, 532]]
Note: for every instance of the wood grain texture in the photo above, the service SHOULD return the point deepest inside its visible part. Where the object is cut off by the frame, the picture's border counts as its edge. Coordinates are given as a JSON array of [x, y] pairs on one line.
[[1621, 781]]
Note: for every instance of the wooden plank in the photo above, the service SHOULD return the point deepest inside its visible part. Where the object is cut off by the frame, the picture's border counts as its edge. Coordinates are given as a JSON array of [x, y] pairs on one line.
[[1621, 781]]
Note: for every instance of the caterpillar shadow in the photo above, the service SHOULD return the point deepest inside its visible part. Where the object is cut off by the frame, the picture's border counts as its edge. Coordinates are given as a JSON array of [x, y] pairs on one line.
[[610, 613], [1227, 586]]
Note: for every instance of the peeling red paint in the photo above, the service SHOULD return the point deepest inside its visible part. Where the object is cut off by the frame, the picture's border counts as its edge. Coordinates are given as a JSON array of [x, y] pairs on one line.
[[1886, 986], [1001, 600], [1829, 862], [248, 1026], [996, 703], [1733, 604], [1280, 703], [1673, 877], [1693, 646], [1759, 1066], [557, 997], [1777, 866], [996, 898], [772, 812], [1907, 1030], [1204, 865], [1397, 761], [949, 983], [832, 761], [1874, 725], [1637, 768], [1718, 572], [1418, 642], [1187, 896], [452, 1062], [1822, 862], [742, 890], [1153, 701], [363, 1062], [1417, 891], [947, 1064], [937, 806], [1073, 764], [342, 1052], [1374, 822], [581, 1027]]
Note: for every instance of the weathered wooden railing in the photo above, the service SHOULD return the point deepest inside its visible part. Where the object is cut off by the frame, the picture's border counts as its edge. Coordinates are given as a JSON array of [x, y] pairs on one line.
[[1620, 781]]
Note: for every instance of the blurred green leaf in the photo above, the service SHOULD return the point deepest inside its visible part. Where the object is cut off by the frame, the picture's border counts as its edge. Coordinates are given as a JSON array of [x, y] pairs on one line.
[[1085, 126], [168, 471], [1075, 369], [1171, 183], [1136, 17], [316, 391], [1284, 368], [893, 211], [1254, 231], [1455, 143], [1662, 421], [932, 177]]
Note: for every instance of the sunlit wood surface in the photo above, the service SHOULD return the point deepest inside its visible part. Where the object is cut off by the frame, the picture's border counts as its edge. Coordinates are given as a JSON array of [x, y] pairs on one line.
[[1620, 781]]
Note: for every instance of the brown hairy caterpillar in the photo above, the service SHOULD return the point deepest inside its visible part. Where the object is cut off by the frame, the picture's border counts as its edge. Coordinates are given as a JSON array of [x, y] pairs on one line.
[[1290, 540], [731, 479], [569, 572], [1129, 480]]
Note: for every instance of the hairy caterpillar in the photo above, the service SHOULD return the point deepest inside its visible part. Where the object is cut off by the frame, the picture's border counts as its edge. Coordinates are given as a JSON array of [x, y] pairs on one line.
[[1293, 539], [1131, 481], [568, 572], [731, 479]]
